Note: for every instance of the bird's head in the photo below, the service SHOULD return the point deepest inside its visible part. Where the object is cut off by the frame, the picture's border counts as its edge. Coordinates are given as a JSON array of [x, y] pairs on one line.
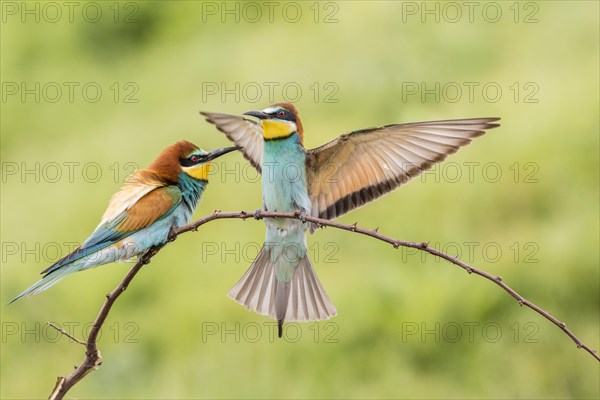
[[185, 157], [279, 121]]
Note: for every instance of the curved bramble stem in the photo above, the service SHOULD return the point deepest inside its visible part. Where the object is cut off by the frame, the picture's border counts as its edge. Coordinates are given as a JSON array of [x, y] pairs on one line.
[[92, 355]]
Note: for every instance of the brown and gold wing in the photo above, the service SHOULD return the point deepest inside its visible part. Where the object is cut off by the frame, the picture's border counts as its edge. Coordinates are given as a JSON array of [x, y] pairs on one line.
[[151, 207], [360, 166], [136, 214], [243, 132]]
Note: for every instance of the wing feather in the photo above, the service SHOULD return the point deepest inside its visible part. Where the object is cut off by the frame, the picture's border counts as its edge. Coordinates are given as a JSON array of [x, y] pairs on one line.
[[138, 185], [243, 132], [372, 162], [156, 203]]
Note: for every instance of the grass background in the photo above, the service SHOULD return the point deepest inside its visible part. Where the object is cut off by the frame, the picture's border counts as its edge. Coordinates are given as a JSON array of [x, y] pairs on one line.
[[158, 343]]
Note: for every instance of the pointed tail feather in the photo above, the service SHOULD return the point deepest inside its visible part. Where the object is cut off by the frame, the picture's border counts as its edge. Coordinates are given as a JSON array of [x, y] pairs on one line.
[[308, 300], [257, 287], [47, 281], [303, 299], [282, 297]]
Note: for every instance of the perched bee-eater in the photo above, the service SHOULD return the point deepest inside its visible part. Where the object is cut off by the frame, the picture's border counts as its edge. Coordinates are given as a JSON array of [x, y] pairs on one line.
[[142, 213], [324, 182]]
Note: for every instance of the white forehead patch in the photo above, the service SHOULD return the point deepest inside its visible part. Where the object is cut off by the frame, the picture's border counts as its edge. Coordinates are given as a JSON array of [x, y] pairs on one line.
[[269, 110]]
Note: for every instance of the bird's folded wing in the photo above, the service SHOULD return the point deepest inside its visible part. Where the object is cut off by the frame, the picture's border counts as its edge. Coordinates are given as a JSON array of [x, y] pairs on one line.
[[138, 212], [138, 185], [243, 132], [363, 165]]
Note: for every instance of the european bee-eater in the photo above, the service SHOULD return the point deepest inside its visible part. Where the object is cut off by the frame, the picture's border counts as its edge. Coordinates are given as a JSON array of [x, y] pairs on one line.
[[325, 182], [142, 213]]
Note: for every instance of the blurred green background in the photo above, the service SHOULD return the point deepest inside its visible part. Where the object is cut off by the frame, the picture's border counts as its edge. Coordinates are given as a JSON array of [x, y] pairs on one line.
[[521, 202]]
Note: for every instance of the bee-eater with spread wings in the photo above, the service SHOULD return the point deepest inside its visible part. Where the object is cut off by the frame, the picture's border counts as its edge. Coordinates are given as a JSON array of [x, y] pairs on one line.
[[142, 213], [325, 182]]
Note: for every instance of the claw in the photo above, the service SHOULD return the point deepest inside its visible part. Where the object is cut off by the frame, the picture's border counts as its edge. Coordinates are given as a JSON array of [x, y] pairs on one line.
[[172, 236], [303, 215]]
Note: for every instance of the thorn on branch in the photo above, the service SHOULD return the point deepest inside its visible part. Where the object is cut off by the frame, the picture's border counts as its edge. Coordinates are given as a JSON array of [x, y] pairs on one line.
[[498, 279], [376, 230], [243, 215], [424, 245], [257, 213], [217, 212], [353, 226], [469, 270], [396, 245]]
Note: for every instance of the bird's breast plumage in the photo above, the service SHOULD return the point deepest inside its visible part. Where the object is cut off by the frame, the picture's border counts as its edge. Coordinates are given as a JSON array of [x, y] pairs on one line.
[[284, 175]]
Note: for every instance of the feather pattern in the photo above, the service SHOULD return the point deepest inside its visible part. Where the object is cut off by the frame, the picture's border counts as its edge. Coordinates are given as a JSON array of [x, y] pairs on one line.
[[366, 164], [363, 165], [243, 132], [256, 291], [140, 184], [154, 205]]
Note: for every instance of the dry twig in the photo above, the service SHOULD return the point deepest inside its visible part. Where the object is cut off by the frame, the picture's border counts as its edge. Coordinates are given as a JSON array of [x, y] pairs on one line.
[[92, 355]]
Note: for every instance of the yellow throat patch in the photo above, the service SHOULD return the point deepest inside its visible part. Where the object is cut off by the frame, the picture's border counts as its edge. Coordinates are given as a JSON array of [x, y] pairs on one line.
[[276, 129], [198, 171]]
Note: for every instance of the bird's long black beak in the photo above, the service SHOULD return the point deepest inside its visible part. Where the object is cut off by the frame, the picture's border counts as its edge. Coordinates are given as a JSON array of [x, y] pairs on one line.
[[258, 114], [219, 152]]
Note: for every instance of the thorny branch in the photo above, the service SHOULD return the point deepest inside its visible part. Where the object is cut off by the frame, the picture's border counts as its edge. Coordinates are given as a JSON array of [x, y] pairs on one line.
[[67, 334], [92, 355]]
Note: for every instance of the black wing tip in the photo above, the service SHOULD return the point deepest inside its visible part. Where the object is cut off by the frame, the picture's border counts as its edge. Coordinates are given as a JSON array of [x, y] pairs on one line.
[[48, 270]]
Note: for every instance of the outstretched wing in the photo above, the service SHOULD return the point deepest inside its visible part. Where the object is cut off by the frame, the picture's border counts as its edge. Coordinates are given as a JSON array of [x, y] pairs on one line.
[[243, 132], [134, 207], [360, 166]]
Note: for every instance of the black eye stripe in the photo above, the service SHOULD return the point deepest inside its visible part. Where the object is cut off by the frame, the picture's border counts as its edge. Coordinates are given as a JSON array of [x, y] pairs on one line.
[[287, 115], [191, 160]]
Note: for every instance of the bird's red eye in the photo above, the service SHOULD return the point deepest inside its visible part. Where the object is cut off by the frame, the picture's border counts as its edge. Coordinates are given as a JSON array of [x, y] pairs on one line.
[[281, 114], [195, 159]]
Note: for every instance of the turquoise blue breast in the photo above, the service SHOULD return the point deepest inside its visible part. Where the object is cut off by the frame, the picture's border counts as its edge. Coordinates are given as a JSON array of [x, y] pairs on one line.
[[284, 175]]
